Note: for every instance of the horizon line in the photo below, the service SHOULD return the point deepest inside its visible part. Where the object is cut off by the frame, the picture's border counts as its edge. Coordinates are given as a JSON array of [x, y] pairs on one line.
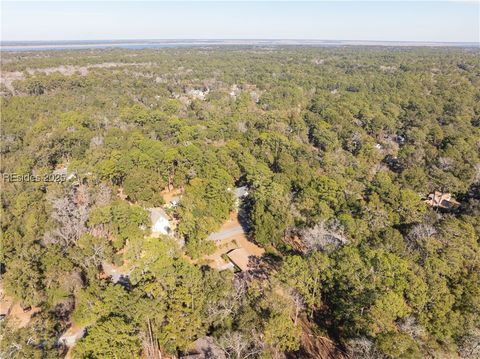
[[123, 40]]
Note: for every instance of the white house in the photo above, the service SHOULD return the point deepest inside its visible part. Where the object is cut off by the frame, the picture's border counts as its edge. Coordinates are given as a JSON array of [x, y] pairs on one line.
[[239, 193], [64, 172], [160, 222], [71, 336]]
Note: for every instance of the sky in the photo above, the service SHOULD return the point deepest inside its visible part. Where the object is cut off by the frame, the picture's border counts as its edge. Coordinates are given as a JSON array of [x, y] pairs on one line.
[[442, 21]]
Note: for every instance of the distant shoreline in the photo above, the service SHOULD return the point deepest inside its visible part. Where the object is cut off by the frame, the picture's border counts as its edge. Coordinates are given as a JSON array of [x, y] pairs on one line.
[[139, 44]]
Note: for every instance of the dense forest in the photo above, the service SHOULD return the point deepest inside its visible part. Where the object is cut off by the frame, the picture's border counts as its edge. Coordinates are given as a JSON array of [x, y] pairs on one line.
[[339, 149]]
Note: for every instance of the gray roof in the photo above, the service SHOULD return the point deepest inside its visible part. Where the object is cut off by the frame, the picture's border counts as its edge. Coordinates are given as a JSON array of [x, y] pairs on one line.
[[156, 214], [240, 192]]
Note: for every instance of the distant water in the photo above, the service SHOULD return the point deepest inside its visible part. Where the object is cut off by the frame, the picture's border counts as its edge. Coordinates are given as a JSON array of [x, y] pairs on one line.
[[156, 44]]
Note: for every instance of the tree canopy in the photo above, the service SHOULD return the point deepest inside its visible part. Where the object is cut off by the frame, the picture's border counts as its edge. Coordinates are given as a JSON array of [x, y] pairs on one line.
[[338, 148]]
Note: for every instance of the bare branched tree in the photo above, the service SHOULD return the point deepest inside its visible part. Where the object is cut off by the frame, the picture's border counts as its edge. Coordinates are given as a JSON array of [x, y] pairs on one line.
[[103, 195], [323, 235], [477, 171], [219, 310], [410, 326], [470, 345], [94, 255], [421, 231], [298, 304], [237, 345], [70, 213], [417, 235], [151, 349], [363, 348]]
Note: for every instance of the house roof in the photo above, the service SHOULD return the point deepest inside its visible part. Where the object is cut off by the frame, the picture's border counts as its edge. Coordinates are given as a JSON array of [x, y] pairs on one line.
[[440, 199], [240, 192], [157, 214], [72, 335], [160, 221], [63, 171], [239, 257]]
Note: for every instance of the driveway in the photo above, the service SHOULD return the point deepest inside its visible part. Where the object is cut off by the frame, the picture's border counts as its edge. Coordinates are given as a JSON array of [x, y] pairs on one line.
[[226, 233]]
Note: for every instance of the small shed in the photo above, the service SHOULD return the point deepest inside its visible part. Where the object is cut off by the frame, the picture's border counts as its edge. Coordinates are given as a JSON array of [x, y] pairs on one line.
[[174, 201], [239, 257]]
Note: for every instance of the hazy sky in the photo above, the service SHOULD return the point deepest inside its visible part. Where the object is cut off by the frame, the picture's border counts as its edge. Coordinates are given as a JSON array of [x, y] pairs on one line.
[[331, 20]]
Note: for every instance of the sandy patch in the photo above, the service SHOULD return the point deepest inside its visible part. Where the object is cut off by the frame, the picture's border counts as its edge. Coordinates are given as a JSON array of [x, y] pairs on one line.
[[21, 317], [14, 311]]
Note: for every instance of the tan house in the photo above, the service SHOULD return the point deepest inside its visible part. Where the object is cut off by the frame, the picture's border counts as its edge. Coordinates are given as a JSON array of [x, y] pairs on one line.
[[239, 257], [441, 200]]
